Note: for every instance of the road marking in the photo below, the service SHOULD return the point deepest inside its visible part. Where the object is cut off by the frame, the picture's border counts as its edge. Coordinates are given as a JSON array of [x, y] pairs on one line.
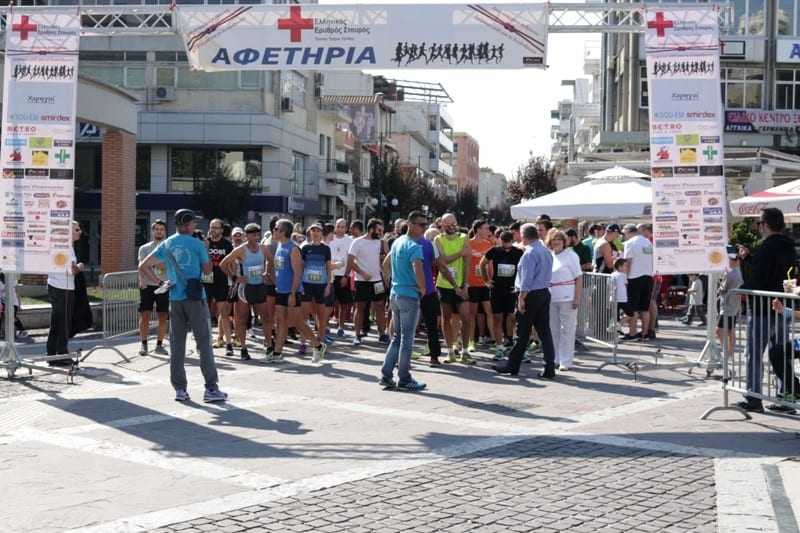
[[185, 465], [743, 501]]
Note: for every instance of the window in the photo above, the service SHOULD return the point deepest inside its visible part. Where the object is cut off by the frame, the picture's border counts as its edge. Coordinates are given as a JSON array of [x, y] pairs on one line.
[[250, 79], [114, 75], [749, 17], [785, 17], [165, 76], [294, 87], [143, 167], [197, 79], [644, 98], [88, 166], [188, 166], [787, 89], [135, 77], [742, 88], [299, 173], [321, 144]]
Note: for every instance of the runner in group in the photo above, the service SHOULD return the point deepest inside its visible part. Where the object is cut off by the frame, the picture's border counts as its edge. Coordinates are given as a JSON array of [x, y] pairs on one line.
[[287, 266], [479, 292], [216, 284], [237, 239], [364, 258], [340, 246], [317, 285], [429, 303], [269, 308], [147, 293], [252, 256], [453, 256], [499, 270]]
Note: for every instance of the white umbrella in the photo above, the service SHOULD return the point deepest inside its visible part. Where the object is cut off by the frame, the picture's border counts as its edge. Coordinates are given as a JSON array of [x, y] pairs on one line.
[[785, 197], [603, 198], [616, 173]]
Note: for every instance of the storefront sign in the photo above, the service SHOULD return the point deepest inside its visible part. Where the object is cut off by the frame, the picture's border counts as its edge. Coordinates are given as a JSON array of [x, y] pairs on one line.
[[402, 36], [690, 229], [38, 140], [755, 121], [787, 51]]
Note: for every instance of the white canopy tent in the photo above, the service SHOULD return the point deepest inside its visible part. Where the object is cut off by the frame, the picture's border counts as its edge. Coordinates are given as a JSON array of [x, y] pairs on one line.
[[614, 193], [785, 197]]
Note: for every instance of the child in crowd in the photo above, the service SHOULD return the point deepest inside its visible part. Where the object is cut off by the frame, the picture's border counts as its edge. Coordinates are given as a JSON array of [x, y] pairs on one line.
[[730, 304], [696, 301], [620, 283]]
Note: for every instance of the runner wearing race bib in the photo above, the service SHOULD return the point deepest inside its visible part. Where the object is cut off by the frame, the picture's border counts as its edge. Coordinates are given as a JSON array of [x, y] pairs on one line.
[[452, 283], [499, 269], [317, 284], [364, 258], [479, 292]]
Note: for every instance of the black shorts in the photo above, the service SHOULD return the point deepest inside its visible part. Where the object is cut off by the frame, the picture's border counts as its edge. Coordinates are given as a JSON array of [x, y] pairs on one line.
[[504, 301], [148, 298], [315, 293], [283, 299], [449, 297], [479, 294], [219, 291], [365, 291], [255, 294], [625, 308], [343, 295], [639, 291], [726, 322]]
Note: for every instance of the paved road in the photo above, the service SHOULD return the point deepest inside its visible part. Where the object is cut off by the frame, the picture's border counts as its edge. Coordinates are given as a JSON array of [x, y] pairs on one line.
[[301, 447]]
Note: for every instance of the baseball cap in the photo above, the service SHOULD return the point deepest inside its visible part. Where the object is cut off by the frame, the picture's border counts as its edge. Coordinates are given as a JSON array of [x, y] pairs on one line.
[[315, 225], [629, 227], [252, 228], [613, 228], [184, 216], [237, 231], [732, 253]]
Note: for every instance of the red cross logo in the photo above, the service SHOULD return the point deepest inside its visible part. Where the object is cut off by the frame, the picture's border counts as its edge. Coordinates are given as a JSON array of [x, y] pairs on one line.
[[295, 24], [24, 27], [660, 24]]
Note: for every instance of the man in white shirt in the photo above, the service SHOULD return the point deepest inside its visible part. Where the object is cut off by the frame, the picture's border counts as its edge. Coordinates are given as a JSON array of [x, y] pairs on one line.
[[639, 253], [61, 290], [364, 258], [340, 247]]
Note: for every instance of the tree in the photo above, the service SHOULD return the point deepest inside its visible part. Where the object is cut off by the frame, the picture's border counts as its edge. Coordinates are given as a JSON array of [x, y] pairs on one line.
[[224, 197], [532, 179], [467, 206]]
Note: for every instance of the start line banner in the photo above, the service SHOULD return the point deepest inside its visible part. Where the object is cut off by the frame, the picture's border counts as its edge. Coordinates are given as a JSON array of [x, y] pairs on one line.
[[690, 225], [38, 140], [396, 36]]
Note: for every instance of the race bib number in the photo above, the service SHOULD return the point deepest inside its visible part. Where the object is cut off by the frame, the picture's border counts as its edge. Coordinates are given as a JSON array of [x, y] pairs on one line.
[[314, 276], [278, 263], [478, 269], [379, 287], [254, 275], [207, 278], [159, 272], [453, 273], [506, 271]]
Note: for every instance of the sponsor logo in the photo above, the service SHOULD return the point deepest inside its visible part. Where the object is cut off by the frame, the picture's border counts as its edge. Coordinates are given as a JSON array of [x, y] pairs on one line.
[[713, 200], [13, 218], [696, 202], [714, 229], [661, 140], [59, 222], [61, 174], [688, 156], [662, 218], [687, 139], [61, 204], [43, 203], [685, 97], [40, 143], [36, 173], [663, 154], [667, 243], [37, 117], [713, 220], [710, 152], [15, 157], [40, 158], [709, 139], [661, 172], [62, 156], [686, 171], [715, 170], [13, 173], [59, 231], [692, 193], [12, 243], [24, 27], [666, 235], [13, 234], [16, 142], [59, 239], [712, 211], [60, 213], [65, 143], [41, 195]]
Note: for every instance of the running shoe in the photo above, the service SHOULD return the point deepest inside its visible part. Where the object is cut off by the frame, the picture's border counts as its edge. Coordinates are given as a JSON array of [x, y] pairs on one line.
[[452, 356], [302, 350], [214, 395], [466, 359], [357, 341], [470, 347], [340, 333], [411, 386], [160, 350], [229, 350], [329, 339], [387, 384], [415, 356], [245, 355], [143, 349], [384, 338], [499, 354], [181, 395], [218, 344]]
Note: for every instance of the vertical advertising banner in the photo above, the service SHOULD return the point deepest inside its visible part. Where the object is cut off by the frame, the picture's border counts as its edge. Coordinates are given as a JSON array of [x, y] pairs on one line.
[[38, 140], [690, 226]]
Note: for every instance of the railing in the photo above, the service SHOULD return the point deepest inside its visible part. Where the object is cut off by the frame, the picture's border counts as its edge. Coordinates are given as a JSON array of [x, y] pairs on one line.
[[597, 312], [760, 352]]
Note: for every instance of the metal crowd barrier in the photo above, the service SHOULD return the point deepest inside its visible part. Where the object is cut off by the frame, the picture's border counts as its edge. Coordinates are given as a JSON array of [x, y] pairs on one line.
[[120, 292], [762, 359], [597, 313]]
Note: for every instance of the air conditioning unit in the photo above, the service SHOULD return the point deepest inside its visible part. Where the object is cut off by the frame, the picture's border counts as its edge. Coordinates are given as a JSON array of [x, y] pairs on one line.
[[319, 79], [286, 104], [162, 94]]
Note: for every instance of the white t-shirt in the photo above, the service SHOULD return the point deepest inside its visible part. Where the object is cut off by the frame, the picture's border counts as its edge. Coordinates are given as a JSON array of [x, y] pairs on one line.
[[339, 249], [620, 286], [640, 251], [566, 269], [64, 280], [367, 253]]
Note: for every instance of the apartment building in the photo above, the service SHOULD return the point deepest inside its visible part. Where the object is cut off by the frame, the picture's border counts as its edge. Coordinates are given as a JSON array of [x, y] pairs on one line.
[[491, 188], [467, 168]]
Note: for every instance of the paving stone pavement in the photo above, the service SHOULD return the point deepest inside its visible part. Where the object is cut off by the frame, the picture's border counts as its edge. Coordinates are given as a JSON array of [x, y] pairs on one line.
[[542, 484]]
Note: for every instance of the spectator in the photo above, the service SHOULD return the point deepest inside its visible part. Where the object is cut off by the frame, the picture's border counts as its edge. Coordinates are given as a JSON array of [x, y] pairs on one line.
[[730, 303], [565, 296], [606, 251], [639, 253], [61, 289], [766, 270], [583, 252], [696, 301]]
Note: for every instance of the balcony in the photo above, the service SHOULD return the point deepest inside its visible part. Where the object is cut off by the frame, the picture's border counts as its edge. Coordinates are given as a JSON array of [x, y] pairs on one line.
[[441, 167], [344, 139], [438, 137], [335, 171], [347, 195]]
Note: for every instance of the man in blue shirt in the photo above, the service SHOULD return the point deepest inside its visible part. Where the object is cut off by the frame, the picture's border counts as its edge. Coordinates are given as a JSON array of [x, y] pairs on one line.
[[186, 259], [408, 284], [533, 304]]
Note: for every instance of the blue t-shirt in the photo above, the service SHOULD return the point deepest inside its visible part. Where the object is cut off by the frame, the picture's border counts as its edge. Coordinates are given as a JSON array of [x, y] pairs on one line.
[[404, 252], [315, 263], [190, 254], [284, 274], [428, 258]]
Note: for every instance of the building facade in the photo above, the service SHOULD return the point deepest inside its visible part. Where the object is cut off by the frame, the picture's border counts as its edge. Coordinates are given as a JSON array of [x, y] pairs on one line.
[[491, 189], [467, 168]]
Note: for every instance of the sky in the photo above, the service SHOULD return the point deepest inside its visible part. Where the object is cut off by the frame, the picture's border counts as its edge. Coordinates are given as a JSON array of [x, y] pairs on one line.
[[507, 111]]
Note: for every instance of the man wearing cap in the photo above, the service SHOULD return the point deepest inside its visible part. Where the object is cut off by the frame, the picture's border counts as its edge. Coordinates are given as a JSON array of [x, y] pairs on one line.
[[639, 253], [605, 250], [186, 260]]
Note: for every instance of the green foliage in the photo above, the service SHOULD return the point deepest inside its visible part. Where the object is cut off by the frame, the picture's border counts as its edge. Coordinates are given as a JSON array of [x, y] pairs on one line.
[[745, 233], [466, 206], [532, 179], [223, 197]]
